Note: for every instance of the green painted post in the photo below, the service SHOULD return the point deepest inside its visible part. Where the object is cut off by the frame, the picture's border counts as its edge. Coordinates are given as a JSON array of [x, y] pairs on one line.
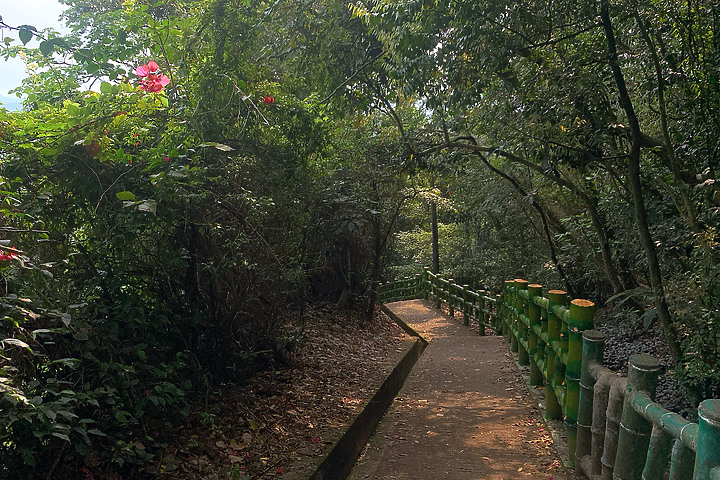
[[592, 353], [534, 291], [553, 409], [482, 317], [508, 300], [708, 451], [634, 434], [424, 286], [465, 308], [658, 456], [451, 297], [512, 317], [438, 286], [581, 318], [523, 356], [682, 461]]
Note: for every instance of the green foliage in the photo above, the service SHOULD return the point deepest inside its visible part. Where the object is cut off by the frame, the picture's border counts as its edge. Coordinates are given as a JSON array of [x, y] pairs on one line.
[[165, 238], [522, 91], [161, 238]]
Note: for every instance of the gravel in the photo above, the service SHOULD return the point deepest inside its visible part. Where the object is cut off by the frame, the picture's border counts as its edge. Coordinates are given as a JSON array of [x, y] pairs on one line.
[[623, 339]]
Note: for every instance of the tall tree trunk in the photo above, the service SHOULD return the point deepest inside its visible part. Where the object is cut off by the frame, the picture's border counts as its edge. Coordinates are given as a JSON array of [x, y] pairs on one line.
[[670, 333]]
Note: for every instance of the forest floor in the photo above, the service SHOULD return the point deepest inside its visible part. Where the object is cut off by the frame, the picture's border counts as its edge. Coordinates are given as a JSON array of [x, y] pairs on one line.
[[283, 422]]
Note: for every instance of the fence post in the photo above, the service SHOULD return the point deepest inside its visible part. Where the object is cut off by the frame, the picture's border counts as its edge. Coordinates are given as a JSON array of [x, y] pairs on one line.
[[465, 309], [425, 280], [436, 288], [661, 445], [507, 316], [553, 409], [682, 460], [707, 459], [512, 317], [634, 435], [592, 353], [482, 316], [581, 318], [520, 307], [536, 376], [451, 296]]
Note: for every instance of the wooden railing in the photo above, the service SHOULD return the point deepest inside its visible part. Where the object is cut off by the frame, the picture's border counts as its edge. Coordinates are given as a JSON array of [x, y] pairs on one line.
[[614, 428]]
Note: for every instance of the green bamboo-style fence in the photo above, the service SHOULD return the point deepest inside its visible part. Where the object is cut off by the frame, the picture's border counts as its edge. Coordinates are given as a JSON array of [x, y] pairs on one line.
[[478, 307], [546, 333], [623, 434], [615, 429]]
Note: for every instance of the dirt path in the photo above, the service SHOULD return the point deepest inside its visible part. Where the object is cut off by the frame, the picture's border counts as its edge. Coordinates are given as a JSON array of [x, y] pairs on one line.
[[464, 413]]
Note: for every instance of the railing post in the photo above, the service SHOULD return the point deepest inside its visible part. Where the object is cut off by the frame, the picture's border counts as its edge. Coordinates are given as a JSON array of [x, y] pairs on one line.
[[507, 315], [483, 316], [634, 435], [553, 409], [437, 289], [707, 459], [581, 318], [520, 303], [658, 455], [424, 286], [536, 376], [451, 297], [682, 460], [512, 317], [465, 309], [592, 353]]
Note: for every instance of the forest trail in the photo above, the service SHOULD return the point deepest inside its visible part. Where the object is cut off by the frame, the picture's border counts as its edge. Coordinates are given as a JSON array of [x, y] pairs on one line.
[[464, 413]]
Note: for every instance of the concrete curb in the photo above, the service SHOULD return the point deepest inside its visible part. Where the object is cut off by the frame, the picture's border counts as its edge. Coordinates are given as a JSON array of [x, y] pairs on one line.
[[401, 323], [341, 459]]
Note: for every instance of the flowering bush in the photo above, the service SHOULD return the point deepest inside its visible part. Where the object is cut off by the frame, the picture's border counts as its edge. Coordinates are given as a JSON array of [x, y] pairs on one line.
[[7, 256], [152, 80]]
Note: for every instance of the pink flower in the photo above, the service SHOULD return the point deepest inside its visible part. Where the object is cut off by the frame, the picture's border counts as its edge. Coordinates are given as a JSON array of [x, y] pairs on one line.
[[152, 81], [145, 70]]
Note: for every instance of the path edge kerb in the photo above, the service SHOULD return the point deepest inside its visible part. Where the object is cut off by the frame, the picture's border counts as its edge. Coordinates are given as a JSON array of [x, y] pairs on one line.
[[339, 462], [402, 324]]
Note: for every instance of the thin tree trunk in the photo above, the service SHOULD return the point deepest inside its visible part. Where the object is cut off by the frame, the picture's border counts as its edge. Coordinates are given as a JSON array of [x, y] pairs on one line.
[[671, 336], [611, 271], [543, 217]]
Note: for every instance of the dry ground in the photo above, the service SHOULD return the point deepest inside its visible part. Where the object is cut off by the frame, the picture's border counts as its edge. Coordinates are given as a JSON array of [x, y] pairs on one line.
[[282, 423]]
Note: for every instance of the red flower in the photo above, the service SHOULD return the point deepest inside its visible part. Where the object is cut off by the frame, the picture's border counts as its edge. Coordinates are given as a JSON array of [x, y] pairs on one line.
[[167, 159], [152, 81], [268, 100], [6, 257]]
